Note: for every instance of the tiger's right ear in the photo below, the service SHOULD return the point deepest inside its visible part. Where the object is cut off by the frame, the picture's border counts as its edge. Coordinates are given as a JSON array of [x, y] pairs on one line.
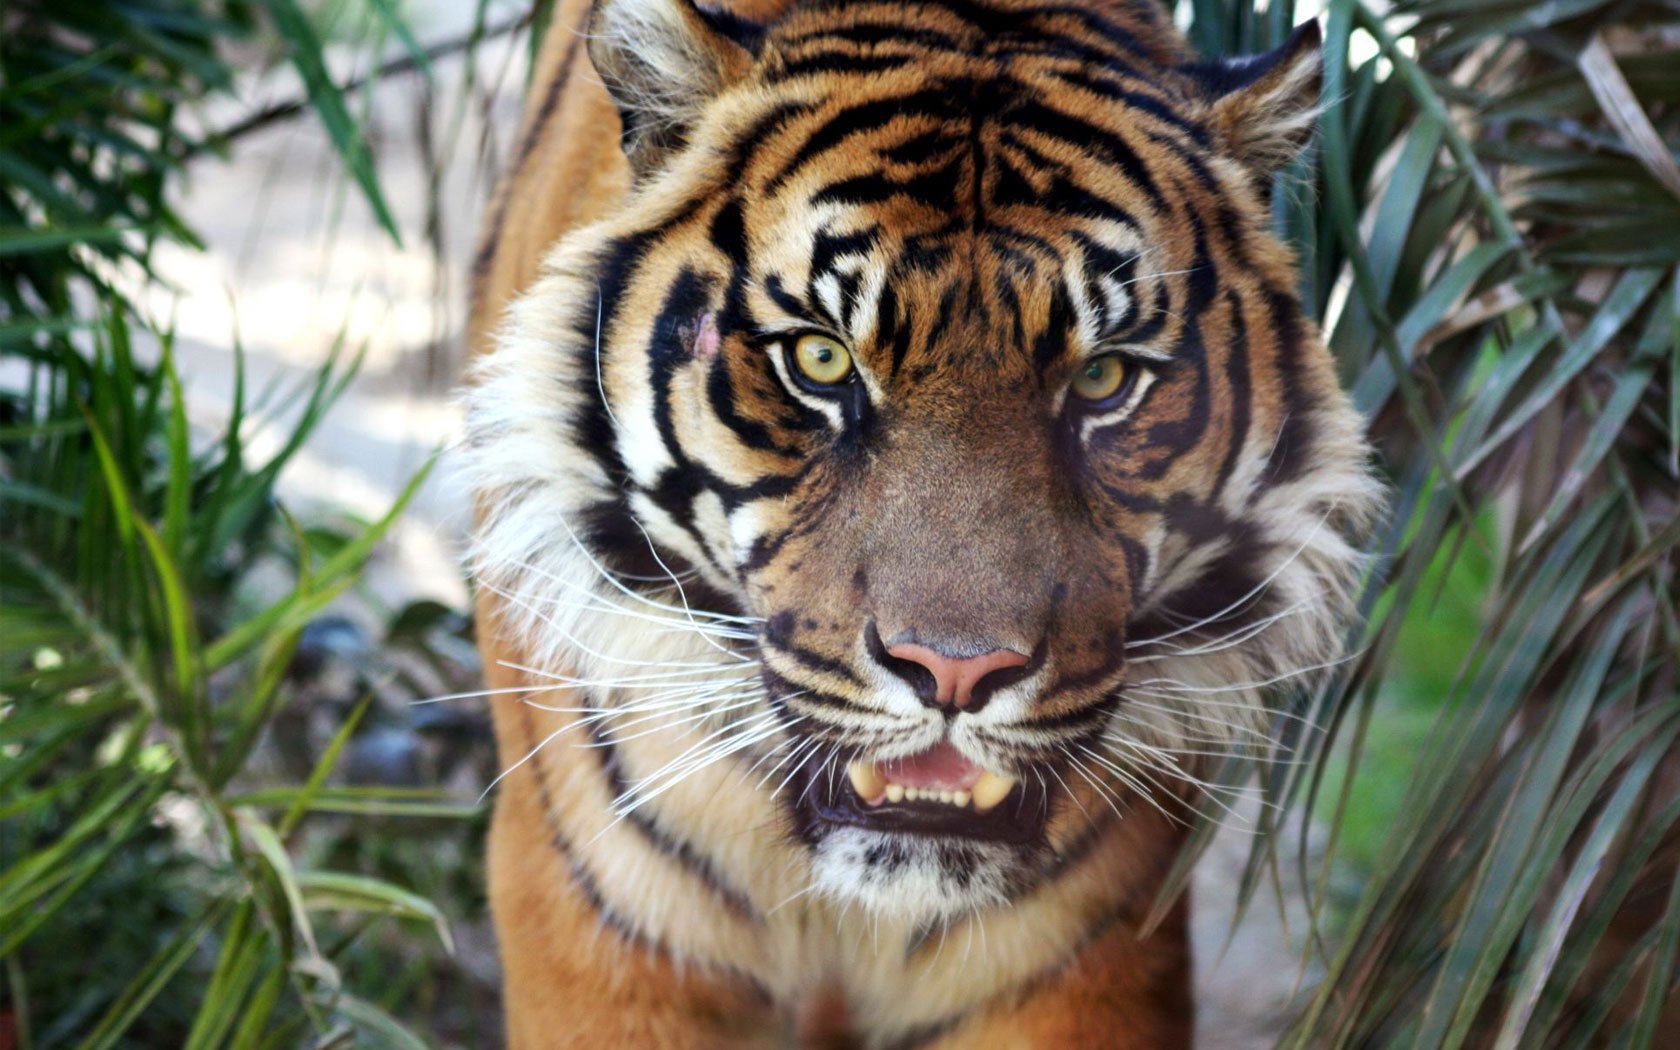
[[663, 61]]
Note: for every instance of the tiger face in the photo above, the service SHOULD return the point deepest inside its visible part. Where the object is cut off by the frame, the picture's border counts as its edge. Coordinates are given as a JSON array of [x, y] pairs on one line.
[[934, 439]]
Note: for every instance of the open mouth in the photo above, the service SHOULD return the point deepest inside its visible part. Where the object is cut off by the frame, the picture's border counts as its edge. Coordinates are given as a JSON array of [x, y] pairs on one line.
[[936, 792]]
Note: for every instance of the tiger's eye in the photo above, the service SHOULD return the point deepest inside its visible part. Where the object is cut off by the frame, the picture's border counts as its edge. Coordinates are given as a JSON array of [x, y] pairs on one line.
[[1099, 378], [822, 360]]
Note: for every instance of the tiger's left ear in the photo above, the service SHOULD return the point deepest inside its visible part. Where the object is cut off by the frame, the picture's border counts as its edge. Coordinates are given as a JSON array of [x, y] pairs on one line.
[[1263, 108], [663, 61]]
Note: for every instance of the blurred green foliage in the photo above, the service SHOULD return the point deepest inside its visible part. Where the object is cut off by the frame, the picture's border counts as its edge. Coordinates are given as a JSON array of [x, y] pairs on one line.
[[161, 883]]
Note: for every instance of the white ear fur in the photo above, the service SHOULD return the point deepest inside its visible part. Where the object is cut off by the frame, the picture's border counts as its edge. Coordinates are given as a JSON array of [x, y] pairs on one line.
[[662, 61], [1264, 107]]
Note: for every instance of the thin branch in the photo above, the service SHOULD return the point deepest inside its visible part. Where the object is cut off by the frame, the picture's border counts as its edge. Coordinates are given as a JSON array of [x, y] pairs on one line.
[[408, 63]]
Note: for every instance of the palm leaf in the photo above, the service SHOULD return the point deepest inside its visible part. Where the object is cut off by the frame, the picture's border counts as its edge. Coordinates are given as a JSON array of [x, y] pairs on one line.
[[1509, 325]]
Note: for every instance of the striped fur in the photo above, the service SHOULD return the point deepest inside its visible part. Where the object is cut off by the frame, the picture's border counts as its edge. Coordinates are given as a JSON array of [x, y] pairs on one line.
[[687, 557]]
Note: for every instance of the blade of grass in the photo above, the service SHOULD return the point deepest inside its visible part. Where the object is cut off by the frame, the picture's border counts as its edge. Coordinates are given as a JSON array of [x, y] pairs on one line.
[[307, 56]]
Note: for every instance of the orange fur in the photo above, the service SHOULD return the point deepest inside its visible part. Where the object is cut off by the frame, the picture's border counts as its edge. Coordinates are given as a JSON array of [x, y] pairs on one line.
[[666, 951]]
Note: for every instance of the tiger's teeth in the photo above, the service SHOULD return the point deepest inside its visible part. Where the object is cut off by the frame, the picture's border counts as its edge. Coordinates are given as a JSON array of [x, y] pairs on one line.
[[990, 789], [873, 787], [867, 780]]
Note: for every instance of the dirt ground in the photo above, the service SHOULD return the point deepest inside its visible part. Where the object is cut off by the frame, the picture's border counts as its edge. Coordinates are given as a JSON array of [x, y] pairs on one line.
[[295, 259]]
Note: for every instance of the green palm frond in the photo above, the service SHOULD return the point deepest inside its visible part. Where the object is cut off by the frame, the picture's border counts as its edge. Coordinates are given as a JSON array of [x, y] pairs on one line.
[[1489, 228]]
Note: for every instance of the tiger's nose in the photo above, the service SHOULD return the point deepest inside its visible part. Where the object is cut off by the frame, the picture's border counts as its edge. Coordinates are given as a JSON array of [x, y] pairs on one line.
[[958, 680]]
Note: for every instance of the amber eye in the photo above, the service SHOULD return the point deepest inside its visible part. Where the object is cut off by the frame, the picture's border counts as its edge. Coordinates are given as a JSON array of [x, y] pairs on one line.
[[1100, 378], [822, 360]]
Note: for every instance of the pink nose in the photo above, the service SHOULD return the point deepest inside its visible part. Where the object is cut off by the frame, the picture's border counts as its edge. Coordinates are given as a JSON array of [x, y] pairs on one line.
[[955, 677]]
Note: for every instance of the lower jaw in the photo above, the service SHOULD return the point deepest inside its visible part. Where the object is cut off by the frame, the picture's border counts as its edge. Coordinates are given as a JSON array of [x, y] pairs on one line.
[[917, 881]]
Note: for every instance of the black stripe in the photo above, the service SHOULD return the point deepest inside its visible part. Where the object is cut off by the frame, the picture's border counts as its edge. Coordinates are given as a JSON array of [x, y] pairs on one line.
[[1094, 22], [1082, 134], [1150, 324], [1010, 302], [1138, 561], [890, 329], [1114, 658], [784, 693], [1070, 198], [720, 395], [936, 189], [728, 234], [869, 33], [983, 95], [1291, 453], [679, 850], [827, 247], [785, 299], [1169, 439], [835, 62], [1100, 261], [1052, 343], [924, 148], [946, 311], [1132, 501], [1114, 89], [935, 103], [590, 887], [686, 300], [778, 636], [1238, 389], [765, 548], [591, 427], [581, 875], [849, 299], [1083, 720]]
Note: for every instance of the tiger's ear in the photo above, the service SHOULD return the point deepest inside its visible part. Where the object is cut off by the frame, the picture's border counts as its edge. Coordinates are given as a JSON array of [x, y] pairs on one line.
[[662, 61], [1263, 108]]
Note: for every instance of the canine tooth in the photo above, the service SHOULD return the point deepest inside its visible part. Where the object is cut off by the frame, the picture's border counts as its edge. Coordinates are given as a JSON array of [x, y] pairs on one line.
[[895, 793], [960, 798], [867, 781], [990, 789]]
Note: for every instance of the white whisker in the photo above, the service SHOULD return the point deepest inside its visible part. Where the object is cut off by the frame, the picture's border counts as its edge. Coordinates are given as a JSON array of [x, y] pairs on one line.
[[1252, 593], [527, 757], [579, 644], [1173, 685]]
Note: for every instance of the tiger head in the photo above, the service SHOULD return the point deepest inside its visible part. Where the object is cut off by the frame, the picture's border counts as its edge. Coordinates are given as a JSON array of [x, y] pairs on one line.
[[935, 437]]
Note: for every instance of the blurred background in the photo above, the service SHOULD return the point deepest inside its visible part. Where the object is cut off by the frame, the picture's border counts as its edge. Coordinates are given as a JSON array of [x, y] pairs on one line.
[[240, 794]]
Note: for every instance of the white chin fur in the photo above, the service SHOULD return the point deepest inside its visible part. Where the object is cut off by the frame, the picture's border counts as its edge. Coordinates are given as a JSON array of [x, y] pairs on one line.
[[913, 879]]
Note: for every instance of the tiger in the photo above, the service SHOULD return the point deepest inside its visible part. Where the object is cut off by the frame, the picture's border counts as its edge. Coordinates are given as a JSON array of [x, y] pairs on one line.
[[904, 474]]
